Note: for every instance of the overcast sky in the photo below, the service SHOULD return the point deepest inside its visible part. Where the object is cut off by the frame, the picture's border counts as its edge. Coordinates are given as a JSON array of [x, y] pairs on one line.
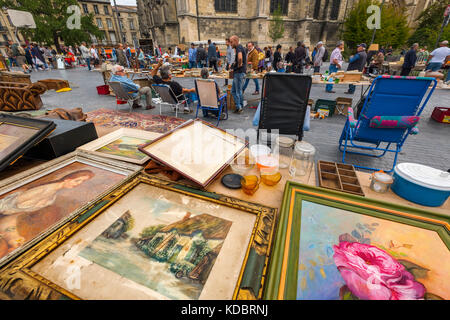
[[125, 2]]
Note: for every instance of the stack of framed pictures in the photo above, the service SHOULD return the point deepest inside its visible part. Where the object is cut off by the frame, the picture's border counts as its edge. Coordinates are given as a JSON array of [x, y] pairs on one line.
[[331, 245], [196, 150], [149, 239], [37, 201], [18, 135], [122, 144]]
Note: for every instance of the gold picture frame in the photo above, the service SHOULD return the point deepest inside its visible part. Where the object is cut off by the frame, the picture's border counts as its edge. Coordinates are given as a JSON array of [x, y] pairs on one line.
[[23, 279], [73, 162]]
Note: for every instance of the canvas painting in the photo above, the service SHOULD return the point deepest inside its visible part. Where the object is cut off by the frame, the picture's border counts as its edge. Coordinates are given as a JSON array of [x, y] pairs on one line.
[[154, 244], [11, 136], [125, 147], [183, 252], [34, 207], [351, 256]]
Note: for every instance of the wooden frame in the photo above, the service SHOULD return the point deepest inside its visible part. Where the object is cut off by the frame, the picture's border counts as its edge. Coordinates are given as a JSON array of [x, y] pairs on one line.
[[94, 146], [189, 140], [283, 278], [42, 127], [19, 281], [33, 174]]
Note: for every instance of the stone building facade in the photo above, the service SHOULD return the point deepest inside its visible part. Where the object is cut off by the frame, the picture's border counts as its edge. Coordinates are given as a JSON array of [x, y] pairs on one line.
[[108, 22], [170, 22]]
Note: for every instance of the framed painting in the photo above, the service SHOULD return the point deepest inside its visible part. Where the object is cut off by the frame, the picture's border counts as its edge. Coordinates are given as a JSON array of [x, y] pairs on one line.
[[150, 239], [18, 135], [336, 246], [196, 149], [122, 145], [37, 201]]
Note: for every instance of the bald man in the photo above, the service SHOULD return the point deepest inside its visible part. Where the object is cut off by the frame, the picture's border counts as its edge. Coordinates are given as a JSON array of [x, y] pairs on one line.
[[239, 68]]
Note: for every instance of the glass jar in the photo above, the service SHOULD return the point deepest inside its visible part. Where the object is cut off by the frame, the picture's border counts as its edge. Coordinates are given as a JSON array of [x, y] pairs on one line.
[[284, 146], [302, 160], [381, 181], [268, 169]]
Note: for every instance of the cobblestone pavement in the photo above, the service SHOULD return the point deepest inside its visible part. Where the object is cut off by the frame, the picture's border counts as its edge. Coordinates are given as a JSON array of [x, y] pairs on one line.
[[430, 147]]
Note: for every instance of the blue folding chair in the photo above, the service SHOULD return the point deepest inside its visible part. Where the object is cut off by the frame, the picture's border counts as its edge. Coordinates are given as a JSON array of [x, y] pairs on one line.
[[209, 98], [388, 96]]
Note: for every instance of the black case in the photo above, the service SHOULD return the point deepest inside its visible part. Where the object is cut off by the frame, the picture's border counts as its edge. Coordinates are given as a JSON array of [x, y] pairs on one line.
[[67, 136], [44, 127]]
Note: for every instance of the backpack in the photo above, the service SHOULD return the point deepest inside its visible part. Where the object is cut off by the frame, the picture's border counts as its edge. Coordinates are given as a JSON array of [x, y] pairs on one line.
[[325, 56], [261, 56]]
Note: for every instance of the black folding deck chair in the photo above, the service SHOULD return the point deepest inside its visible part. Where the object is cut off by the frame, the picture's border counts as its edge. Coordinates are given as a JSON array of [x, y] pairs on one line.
[[284, 100]]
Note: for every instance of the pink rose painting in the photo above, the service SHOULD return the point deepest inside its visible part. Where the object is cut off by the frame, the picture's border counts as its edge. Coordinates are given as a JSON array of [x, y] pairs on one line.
[[372, 274]]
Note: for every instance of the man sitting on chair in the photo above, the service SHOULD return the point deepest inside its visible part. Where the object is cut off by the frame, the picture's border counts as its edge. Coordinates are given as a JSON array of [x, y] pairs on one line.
[[166, 78], [132, 88]]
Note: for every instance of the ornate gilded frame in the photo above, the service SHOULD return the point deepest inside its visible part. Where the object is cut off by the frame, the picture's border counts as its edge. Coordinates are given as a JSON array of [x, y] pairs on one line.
[[23, 178], [18, 281]]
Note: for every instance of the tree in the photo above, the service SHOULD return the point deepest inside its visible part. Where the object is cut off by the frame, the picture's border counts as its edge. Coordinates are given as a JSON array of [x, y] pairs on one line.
[[276, 27], [51, 18], [394, 26], [429, 25]]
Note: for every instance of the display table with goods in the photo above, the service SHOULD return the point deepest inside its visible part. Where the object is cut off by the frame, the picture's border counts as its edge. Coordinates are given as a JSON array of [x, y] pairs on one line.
[[197, 213]]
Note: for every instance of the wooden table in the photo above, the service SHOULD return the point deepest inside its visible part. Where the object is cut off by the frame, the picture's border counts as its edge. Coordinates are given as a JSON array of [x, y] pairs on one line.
[[273, 196]]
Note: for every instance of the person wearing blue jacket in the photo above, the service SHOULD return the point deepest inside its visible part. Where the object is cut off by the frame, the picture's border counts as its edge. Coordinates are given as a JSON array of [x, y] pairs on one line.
[[192, 56], [119, 75], [212, 56]]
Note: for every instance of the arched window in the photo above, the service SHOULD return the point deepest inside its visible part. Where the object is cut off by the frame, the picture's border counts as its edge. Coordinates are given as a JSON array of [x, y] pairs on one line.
[[282, 4], [225, 6], [335, 9], [316, 9]]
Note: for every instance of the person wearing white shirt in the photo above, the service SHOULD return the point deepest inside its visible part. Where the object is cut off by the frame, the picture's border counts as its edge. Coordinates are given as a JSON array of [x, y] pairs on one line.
[[438, 56], [336, 61]]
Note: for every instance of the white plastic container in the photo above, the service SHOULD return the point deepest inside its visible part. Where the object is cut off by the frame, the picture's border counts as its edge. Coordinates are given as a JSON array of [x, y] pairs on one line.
[[421, 184]]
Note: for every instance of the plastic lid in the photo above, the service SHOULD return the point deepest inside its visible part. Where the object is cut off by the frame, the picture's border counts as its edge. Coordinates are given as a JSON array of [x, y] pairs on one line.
[[424, 176], [267, 162], [259, 150], [285, 142], [304, 147], [383, 177]]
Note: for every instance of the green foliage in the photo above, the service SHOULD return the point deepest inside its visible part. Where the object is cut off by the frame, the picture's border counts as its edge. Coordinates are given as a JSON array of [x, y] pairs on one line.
[[394, 26], [151, 231], [51, 21], [429, 25], [276, 27]]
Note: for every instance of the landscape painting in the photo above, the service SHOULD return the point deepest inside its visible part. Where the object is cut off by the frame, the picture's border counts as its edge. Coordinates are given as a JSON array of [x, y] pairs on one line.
[[12, 136], [351, 256], [36, 206], [125, 147], [170, 250]]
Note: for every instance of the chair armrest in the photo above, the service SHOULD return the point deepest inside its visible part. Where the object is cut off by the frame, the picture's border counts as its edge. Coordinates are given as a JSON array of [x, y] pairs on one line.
[[222, 96], [350, 117]]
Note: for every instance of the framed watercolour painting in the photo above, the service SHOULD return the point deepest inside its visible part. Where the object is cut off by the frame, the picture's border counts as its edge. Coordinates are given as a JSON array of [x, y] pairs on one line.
[[150, 239], [332, 246], [18, 135], [196, 149], [122, 144], [39, 200]]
